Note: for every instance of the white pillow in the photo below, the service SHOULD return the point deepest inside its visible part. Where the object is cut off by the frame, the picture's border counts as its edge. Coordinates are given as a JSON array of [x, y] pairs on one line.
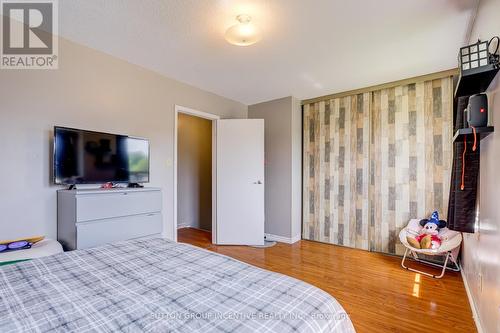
[[447, 234], [413, 227]]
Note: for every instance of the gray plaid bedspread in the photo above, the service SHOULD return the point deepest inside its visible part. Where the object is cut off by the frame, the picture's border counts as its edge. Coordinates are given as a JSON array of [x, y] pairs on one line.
[[159, 286]]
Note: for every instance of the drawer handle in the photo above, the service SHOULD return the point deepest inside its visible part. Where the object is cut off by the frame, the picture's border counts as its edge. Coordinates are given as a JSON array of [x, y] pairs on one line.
[[125, 193]]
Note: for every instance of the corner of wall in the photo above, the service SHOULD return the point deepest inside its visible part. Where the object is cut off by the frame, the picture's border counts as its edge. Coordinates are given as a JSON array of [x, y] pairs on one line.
[[283, 165], [296, 180]]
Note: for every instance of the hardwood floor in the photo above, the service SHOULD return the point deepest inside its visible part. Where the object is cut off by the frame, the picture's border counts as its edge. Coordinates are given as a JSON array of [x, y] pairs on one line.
[[376, 292]]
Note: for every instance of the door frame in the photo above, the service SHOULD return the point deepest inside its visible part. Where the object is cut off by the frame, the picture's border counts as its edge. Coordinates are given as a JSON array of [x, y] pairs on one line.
[[205, 115]]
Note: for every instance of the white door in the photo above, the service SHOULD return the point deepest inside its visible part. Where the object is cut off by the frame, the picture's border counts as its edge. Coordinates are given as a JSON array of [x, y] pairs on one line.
[[240, 182]]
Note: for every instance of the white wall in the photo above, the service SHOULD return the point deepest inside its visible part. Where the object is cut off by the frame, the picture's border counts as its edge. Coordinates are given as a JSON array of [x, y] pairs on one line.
[[283, 144], [95, 91], [194, 172], [481, 253]]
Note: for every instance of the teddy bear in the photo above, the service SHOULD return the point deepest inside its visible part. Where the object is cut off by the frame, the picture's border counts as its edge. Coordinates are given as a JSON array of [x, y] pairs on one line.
[[428, 237]]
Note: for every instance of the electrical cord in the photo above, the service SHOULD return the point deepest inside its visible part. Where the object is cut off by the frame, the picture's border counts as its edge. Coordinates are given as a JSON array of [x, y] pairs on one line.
[[498, 42], [494, 57]]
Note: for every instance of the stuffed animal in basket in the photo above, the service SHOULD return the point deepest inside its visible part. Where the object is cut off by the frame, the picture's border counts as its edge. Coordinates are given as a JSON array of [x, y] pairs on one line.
[[428, 237]]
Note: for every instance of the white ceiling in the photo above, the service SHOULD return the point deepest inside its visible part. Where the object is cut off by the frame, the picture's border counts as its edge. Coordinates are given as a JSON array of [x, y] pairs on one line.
[[309, 47]]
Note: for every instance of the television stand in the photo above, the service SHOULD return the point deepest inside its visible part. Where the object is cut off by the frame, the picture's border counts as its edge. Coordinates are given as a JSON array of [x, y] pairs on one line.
[[94, 216], [135, 185]]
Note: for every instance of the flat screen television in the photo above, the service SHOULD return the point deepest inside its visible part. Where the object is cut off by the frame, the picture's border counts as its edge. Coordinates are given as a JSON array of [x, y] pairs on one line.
[[87, 157]]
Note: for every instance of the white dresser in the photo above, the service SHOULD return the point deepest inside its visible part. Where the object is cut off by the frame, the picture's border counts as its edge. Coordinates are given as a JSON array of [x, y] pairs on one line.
[[92, 217]]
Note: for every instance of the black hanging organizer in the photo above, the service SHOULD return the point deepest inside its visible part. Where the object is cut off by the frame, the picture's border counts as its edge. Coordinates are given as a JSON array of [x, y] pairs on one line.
[[465, 179]]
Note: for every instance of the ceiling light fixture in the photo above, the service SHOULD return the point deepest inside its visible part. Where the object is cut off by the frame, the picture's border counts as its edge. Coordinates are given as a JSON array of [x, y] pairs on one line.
[[244, 33]]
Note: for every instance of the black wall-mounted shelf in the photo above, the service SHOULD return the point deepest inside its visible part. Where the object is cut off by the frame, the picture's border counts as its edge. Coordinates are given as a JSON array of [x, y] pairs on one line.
[[481, 133], [475, 83]]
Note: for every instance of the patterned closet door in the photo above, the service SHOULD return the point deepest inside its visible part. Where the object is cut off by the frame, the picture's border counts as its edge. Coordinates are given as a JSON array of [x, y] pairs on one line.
[[411, 155], [336, 171], [372, 161]]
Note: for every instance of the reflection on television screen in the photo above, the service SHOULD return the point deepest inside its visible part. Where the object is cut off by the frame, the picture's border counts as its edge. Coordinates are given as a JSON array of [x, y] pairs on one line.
[[138, 160], [85, 157]]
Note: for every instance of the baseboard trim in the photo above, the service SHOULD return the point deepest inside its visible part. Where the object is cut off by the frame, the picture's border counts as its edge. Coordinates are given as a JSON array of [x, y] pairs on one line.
[[475, 313], [183, 226], [281, 239]]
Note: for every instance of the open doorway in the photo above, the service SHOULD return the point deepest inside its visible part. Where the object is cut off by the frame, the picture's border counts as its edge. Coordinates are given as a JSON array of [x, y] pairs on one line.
[[194, 204], [237, 186], [194, 173]]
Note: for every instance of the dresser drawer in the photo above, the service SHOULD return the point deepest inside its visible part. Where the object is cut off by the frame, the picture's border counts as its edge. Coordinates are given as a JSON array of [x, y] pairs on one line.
[[109, 205], [95, 233]]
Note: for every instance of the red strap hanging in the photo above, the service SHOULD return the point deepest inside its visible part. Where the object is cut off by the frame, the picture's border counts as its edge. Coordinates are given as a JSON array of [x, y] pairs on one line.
[[474, 131]]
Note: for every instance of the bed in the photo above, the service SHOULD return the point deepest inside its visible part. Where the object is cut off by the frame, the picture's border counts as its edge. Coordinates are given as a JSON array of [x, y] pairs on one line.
[[157, 285]]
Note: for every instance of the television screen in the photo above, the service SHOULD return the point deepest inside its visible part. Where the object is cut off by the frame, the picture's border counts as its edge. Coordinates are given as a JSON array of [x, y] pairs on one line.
[[86, 157]]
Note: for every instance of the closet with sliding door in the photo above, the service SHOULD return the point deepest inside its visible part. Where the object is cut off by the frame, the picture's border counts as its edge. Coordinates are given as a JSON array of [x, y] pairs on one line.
[[374, 159]]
